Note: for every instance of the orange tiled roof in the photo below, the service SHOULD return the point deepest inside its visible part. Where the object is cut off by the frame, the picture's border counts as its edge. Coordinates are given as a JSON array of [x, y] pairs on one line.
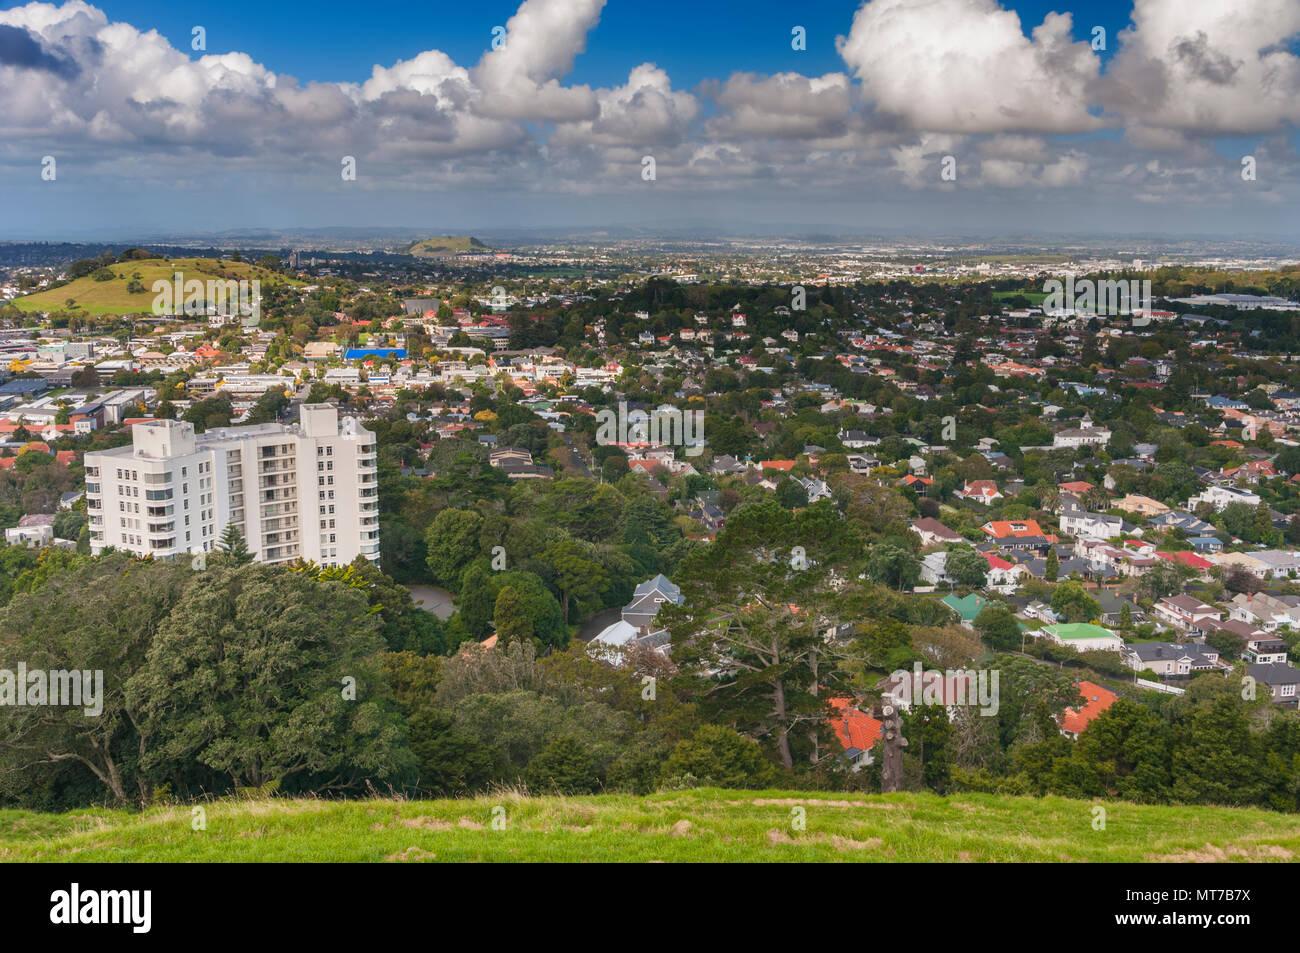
[[854, 728], [1098, 700]]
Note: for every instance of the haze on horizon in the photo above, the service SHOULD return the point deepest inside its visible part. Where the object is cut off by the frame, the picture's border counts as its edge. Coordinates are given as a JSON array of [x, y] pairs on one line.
[[1047, 133]]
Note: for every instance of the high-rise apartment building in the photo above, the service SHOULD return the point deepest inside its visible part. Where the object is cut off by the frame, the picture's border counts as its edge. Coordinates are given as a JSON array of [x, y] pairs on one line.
[[308, 490]]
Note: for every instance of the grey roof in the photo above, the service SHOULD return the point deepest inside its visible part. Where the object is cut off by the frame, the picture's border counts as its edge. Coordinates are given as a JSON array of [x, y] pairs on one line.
[[1275, 673], [1151, 651]]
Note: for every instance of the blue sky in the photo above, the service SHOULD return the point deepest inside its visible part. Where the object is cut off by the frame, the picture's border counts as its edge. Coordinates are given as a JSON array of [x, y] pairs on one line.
[[1042, 132], [692, 40]]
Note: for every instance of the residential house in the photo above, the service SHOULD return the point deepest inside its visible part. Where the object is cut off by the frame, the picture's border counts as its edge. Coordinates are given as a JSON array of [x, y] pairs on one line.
[[1074, 721], [1220, 497], [1085, 435], [1143, 506], [1170, 658], [857, 732], [1186, 613], [1082, 636], [1265, 650], [1266, 610], [934, 533], [1281, 679], [966, 607], [980, 491], [1077, 521]]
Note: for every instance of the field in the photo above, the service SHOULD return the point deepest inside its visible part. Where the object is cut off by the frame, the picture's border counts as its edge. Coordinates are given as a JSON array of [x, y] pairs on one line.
[[696, 825], [111, 297], [1033, 297]]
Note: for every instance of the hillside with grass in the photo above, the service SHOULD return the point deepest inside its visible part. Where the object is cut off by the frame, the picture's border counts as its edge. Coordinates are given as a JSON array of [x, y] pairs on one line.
[[694, 825], [444, 246], [116, 295]]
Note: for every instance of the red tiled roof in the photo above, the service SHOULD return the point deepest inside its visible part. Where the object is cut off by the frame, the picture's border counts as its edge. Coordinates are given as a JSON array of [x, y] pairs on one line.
[[1098, 700], [854, 728]]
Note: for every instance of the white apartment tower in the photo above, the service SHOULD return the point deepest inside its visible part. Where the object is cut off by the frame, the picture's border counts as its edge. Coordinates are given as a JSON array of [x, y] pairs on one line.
[[306, 491]]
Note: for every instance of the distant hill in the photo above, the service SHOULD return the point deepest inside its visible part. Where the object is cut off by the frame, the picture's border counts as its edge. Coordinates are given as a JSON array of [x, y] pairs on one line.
[[444, 247], [113, 297]]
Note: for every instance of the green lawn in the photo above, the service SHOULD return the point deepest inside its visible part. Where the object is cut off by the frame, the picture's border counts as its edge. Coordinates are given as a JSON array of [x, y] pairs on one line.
[[1033, 297], [698, 825], [111, 297]]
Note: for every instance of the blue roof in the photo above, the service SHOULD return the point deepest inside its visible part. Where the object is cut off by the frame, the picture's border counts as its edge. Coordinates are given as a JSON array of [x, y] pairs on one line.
[[24, 385], [353, 353]]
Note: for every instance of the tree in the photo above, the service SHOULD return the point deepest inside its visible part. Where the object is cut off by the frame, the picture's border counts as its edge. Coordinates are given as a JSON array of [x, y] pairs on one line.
[[452, 540], [791, 494], [510, 615], [95, 616], [575, 575], [999, 628], [231, 547], [1053, 567], [476, 599], [565, 766], [894, 565], [1073, 604], [749, 636], [1162, 579], [719, 757], [930, 737], [269, 676], [967, 567]]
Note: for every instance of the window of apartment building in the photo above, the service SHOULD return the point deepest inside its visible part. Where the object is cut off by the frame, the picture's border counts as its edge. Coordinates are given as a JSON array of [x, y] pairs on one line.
[[329, 451]]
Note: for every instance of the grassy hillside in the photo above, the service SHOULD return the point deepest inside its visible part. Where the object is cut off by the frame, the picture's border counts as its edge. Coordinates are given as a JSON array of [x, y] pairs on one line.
[[111, 297], [700, 825], [444, 246]]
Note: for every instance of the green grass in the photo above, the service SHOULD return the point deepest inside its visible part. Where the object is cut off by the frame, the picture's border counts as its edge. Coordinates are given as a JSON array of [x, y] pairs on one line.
[[111, 297], [697, 825], [1033, 297]]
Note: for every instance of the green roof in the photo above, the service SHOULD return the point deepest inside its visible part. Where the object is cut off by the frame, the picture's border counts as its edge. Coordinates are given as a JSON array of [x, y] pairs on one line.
[[968, 607], [1078, 630]]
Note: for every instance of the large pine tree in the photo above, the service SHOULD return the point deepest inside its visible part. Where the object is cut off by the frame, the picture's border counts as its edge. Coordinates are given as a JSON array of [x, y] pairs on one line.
[[232, 547]]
